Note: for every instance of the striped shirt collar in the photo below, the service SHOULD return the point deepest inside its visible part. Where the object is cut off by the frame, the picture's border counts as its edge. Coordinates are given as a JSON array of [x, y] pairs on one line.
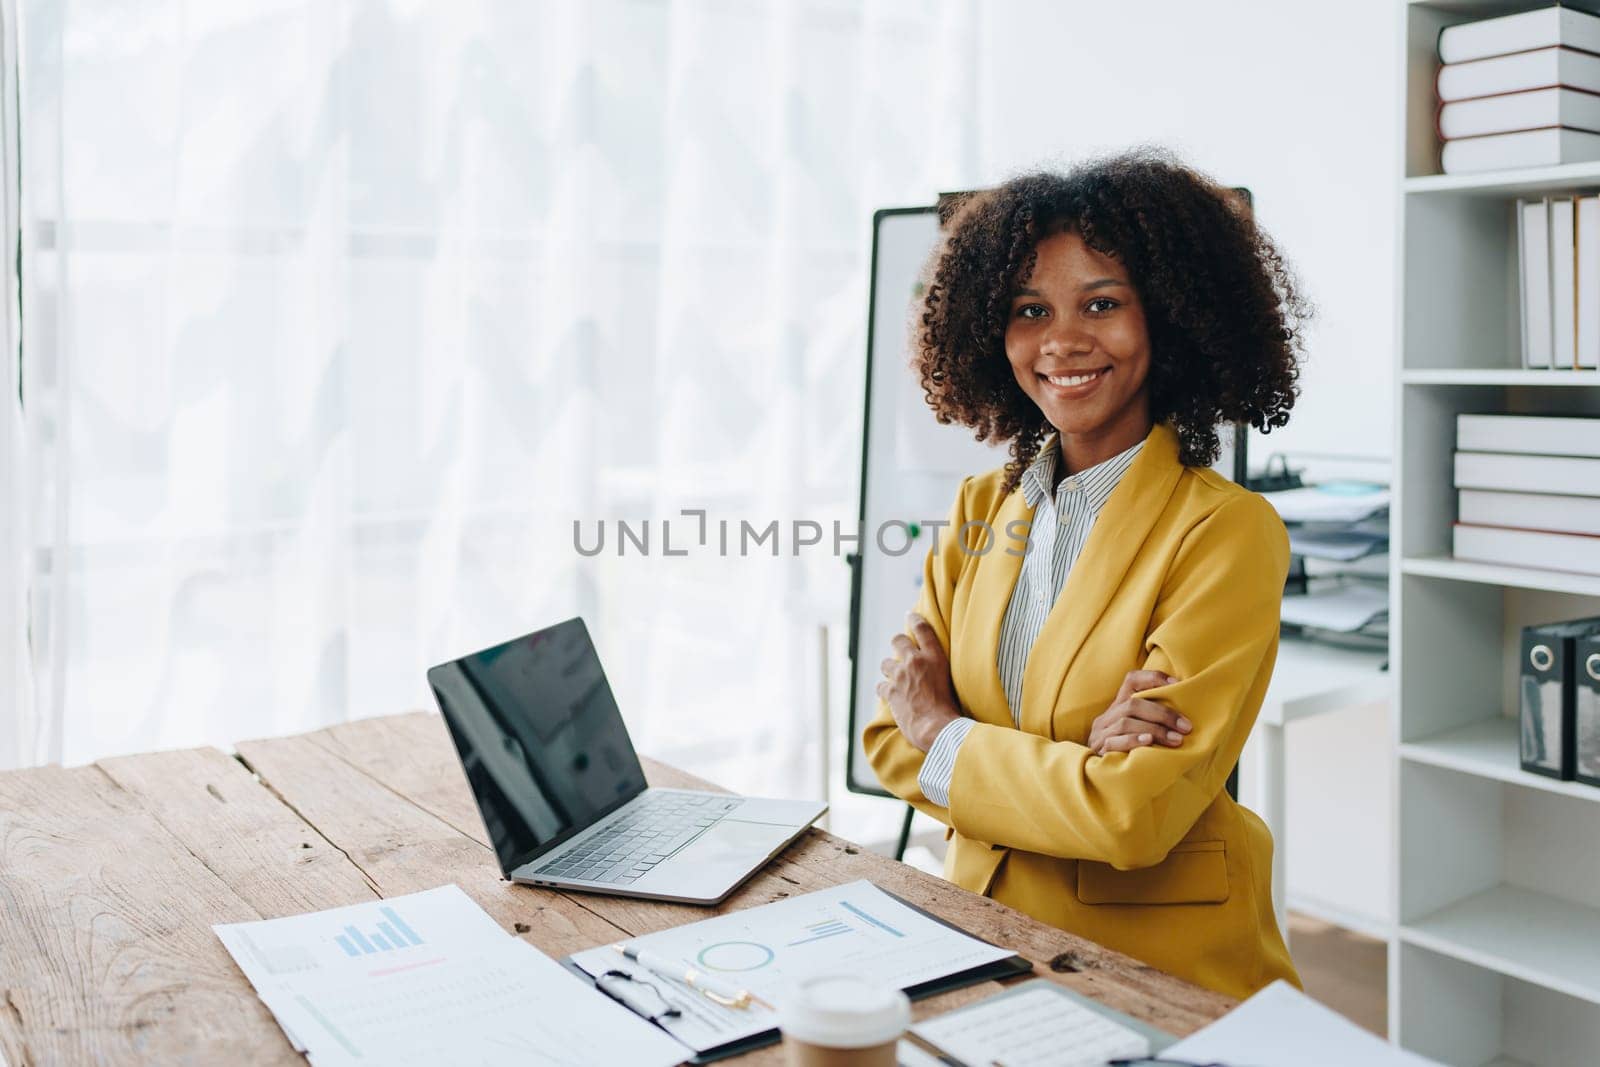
[[1097, 482]]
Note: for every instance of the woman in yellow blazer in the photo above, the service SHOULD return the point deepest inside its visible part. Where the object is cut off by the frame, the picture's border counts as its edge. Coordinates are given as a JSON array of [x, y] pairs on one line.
[[1104, 322]]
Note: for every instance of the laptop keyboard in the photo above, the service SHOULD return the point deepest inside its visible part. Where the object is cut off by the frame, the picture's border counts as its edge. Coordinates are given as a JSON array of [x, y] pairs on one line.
[[628, 847]]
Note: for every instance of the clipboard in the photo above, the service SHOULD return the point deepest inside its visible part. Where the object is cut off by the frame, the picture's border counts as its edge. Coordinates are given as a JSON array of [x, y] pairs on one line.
[[1009, 967]]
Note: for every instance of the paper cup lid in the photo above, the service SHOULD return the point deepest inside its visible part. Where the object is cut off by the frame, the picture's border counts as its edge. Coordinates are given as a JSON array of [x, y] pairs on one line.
[[843, 1011]]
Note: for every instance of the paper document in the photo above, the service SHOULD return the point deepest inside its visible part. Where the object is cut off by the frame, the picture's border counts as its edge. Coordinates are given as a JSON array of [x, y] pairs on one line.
[[1281, 1025], [331, 942], [429, 978], [1347, 503], [1340, 544], [908, 1055], [854, 928], [508, 1004], [1033, 1025], [1343, 609]]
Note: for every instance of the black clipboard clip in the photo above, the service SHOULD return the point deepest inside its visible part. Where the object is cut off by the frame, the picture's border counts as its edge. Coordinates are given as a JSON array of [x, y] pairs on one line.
[[642, 998]]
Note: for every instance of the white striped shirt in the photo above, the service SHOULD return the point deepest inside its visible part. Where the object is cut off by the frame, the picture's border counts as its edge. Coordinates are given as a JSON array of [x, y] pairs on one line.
[[1056, 536]]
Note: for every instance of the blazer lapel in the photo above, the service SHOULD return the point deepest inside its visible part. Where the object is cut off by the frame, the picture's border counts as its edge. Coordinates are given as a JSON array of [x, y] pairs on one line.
[[1118, 534], [979, 647]]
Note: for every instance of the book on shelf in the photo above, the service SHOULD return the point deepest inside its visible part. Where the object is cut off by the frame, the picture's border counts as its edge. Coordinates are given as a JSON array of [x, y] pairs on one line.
[[1563, 283], [1534, 109], [1535, 549], [1539, 435], [1540, 69], [1533, 274], [1562, 475], [1526, 148], [1588, 282], [1558, 276], [1530, 511], [1521, 32]]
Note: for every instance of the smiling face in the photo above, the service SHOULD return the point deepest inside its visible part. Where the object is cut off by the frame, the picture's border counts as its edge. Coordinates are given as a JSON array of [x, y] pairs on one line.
[[1079, 348]]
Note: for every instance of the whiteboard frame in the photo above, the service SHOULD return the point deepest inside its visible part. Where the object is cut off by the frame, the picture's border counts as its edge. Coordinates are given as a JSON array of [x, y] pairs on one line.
[[856, 723]]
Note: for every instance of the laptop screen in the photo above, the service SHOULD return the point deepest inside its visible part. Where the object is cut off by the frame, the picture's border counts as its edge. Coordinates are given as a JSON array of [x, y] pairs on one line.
[[540, 737]]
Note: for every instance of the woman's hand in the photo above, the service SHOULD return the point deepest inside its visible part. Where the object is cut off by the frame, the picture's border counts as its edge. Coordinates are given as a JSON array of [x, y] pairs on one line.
[[916, 684], [1132, 722]]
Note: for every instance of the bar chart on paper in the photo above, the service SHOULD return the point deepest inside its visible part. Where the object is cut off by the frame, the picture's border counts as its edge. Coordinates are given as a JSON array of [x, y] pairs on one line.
[[852, 919], [733, 957], [430, 978], [390, 934], [405, 931]]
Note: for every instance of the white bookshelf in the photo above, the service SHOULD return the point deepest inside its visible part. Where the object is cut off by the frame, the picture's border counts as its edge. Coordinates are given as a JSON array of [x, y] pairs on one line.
[[1497, 376], [1495, 957], [1500, 184], [1536, 937], [1461, 570], [1488, 749]]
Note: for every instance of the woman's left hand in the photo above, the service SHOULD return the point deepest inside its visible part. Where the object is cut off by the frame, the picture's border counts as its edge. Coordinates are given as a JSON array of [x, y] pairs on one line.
[[916, 684], [1132, 722]]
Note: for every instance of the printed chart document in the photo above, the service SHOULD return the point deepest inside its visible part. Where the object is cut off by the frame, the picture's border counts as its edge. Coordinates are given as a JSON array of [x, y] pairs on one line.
[[855, 928], [1280, 1024], [429, 978], [1034, 1025]]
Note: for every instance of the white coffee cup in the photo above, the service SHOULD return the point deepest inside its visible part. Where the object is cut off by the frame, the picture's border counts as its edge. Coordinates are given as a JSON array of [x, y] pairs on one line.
[[840, 1020]]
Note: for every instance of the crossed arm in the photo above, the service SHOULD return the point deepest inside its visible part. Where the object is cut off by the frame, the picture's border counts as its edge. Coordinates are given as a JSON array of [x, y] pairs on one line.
[[1119, 799]]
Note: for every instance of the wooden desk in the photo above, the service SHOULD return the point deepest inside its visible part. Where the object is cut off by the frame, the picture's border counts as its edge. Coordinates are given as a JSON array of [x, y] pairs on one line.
[[112, 874]]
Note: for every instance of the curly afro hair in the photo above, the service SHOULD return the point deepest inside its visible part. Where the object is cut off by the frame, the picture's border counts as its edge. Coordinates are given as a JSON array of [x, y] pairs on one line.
[[1221, 305]]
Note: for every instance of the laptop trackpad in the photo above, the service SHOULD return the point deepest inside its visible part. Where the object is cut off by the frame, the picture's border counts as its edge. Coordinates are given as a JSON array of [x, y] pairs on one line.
[[734, 843]]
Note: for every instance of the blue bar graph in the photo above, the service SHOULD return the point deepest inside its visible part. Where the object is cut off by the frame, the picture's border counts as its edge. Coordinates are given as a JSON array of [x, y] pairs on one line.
[[401, 925], [356, 936], [818, 931], [392, 933], [875, 922]]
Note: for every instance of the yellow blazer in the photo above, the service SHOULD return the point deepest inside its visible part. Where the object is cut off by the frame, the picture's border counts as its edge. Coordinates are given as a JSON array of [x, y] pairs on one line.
[[1141, 851]]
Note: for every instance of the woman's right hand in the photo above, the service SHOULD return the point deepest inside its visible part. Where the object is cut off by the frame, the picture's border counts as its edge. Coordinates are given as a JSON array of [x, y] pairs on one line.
[[1132, 722]]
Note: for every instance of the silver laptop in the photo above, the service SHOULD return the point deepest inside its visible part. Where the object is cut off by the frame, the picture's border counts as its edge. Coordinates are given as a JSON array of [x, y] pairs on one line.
[[561, 790]]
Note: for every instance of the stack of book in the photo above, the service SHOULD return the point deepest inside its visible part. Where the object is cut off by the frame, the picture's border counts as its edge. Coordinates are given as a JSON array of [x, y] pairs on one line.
[[1521, 90], [1558, 248], [1529, 491]]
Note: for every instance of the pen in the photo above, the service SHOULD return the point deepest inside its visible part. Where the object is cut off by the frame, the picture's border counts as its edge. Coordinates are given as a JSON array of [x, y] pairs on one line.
[[712, 990]]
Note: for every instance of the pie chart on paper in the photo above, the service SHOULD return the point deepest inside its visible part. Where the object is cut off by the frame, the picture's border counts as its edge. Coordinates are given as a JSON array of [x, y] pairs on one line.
[[733, 956]]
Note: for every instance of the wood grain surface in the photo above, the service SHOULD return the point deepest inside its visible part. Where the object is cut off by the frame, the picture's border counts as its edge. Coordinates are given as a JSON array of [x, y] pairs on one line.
[[111, 876], [106, 949]]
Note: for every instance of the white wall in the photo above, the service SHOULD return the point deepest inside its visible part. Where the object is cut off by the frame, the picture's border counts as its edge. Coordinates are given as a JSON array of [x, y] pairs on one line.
[[1299, 102]]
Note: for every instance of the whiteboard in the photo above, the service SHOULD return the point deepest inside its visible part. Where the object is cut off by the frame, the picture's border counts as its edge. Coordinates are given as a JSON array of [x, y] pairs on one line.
[[910, 468]]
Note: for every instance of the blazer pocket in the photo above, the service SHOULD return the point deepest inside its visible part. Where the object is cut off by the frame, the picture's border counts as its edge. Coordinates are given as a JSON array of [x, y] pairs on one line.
[[1194, 872]]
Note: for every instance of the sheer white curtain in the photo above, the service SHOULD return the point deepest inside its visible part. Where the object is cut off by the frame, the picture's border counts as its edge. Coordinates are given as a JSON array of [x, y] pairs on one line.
[[342, 313], [16, 690]]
